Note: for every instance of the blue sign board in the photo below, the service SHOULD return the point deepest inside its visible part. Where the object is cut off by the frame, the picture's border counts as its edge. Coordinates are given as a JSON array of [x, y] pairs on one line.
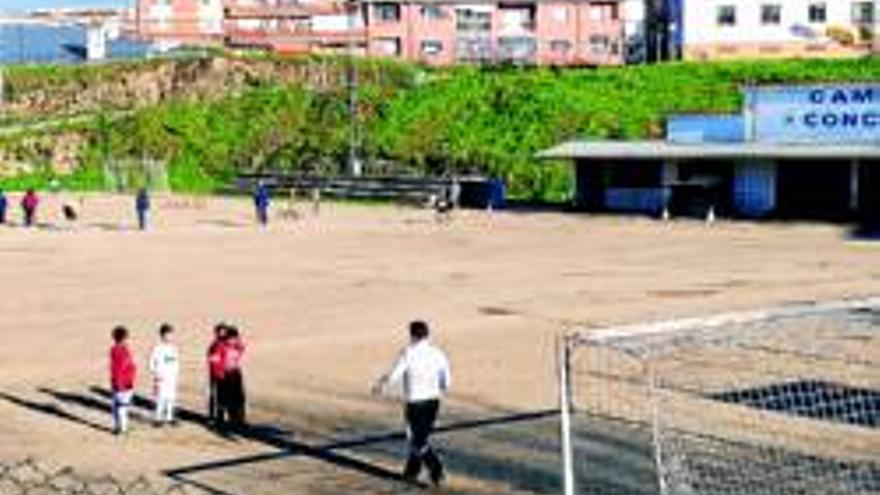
[[814, 114], [694, 129]]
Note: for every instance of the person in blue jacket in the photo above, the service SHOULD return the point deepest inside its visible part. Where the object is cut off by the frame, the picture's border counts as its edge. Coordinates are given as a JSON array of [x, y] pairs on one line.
[[261, 202], [3, 204], [142, 206]]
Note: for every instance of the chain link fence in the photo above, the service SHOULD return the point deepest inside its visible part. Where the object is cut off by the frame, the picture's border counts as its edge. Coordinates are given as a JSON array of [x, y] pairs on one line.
[[32, 477]]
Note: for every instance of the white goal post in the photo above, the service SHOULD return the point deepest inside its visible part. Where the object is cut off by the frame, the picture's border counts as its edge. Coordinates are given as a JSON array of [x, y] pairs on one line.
[[779, 401]]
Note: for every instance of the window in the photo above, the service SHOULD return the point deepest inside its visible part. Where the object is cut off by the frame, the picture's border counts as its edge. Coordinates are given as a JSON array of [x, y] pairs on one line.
[[517, 48], [603, 12], [560, 14], [771, 14], [560, 46], [600, 44], [388, 46], [387, 12], [863, 12], [470, 20], [432, 12], [726, 15], [818, 13], [431, 47]]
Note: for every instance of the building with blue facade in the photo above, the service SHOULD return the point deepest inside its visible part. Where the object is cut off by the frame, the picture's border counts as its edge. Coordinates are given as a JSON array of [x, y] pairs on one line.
[[806, 152]]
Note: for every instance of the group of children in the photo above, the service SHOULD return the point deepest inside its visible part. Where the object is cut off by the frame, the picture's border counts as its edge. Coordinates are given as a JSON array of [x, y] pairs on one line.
[[29, 203], [226, 402]]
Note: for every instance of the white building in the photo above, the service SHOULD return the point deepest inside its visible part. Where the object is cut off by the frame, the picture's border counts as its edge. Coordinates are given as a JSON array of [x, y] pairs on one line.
[[713, 29]]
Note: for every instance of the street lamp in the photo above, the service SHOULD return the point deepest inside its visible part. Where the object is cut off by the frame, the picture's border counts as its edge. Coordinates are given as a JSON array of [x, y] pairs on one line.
[[355, 167]]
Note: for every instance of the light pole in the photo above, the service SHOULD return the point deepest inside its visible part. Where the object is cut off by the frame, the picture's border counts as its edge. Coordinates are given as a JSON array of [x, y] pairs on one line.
[[875, 34], [355, 167]]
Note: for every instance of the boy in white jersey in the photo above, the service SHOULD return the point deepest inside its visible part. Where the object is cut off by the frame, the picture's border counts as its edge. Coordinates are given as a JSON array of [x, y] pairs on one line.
[[165, 367]]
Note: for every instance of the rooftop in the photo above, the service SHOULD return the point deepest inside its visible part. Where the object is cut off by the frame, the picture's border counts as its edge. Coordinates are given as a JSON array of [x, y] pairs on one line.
[[658, 149]]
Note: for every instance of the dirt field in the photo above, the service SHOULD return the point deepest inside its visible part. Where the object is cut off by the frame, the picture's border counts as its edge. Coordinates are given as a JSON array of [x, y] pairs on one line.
[[323, 302]]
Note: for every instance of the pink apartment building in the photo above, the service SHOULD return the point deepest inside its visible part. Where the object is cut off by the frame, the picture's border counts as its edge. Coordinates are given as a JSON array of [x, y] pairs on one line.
[[546, 32], [175, 22], [437, 32], [284, 26]]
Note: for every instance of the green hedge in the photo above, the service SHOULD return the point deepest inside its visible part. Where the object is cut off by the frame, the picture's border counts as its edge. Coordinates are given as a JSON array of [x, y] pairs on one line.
[[432, 121]]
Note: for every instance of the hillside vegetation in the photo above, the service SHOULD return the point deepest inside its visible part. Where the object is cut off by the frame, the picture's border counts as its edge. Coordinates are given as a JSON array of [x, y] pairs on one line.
[[435, 121]]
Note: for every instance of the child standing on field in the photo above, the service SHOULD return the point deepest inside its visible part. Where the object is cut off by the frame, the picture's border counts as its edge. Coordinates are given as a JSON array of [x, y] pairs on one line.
[[261, 202], [29, 204], [165, 367], [215, 374], [232, 384], [3, 204], [142, 207], [123, 373]]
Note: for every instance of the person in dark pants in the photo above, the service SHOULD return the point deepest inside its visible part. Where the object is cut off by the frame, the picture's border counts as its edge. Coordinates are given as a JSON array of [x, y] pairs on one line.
[[4, 202], [424, 371], [261, 202], [215, 374], [232, 396], [29, 204], [142, 206]]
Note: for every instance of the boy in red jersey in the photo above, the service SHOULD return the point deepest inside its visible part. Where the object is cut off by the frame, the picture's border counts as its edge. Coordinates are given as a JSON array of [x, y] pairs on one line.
[[232, 384], [215, 374], [123, 373]]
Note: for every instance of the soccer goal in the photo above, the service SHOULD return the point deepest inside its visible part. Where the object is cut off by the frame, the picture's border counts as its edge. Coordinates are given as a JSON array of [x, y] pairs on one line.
[[782, 401], [130, 174]]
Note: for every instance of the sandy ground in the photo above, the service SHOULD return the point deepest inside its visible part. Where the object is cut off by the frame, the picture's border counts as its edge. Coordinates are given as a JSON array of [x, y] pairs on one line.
[[323, 302]]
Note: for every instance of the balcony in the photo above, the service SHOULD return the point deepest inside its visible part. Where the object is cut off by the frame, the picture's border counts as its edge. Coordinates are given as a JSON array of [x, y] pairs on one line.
[[289, 11], [518, 50], [272, 38]]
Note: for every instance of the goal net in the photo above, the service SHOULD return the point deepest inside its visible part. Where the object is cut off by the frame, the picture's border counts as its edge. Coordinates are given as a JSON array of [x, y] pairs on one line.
[[131, 174], [784, 401]]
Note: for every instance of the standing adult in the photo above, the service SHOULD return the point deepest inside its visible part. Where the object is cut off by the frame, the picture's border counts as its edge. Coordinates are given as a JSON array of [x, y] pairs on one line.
[[216, 372], [29, 204], [232, 384], [4, 202], [261, 202], [142, 207], [424, 371]]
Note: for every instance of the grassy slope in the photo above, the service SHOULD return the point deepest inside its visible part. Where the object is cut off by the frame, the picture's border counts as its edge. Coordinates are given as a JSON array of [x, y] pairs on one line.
[[487, 121]]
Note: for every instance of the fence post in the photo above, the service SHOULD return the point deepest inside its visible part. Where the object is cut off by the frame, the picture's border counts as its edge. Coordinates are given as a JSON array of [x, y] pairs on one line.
[[654, 401], [565, 416]]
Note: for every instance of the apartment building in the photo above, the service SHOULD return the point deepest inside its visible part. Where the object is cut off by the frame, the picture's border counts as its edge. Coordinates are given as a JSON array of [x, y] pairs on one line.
[[546, 32], [437, 32], [169, 23], [724, 29]]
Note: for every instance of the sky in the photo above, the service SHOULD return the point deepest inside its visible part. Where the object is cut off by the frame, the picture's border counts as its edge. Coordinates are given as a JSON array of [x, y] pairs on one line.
[[17, 5]]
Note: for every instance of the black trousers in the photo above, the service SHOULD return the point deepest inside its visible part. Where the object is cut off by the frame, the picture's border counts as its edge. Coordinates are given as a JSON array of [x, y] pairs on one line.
[[420, 418], [29, 216], [214, 408], [232, 398]]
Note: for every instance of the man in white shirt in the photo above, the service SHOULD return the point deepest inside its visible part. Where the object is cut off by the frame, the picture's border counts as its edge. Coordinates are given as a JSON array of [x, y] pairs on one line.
[[424, 371], [165, 367]]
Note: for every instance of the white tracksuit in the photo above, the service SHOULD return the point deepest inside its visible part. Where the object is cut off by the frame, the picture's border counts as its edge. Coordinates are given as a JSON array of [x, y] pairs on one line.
[[165, 367]]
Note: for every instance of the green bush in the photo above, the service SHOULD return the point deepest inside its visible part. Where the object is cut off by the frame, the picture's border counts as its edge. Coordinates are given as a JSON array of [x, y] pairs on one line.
[[434, 121]]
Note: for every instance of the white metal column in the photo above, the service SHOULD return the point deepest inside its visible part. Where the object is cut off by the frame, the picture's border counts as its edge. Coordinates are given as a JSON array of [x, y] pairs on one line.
[[854, 167], [568, 487]]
